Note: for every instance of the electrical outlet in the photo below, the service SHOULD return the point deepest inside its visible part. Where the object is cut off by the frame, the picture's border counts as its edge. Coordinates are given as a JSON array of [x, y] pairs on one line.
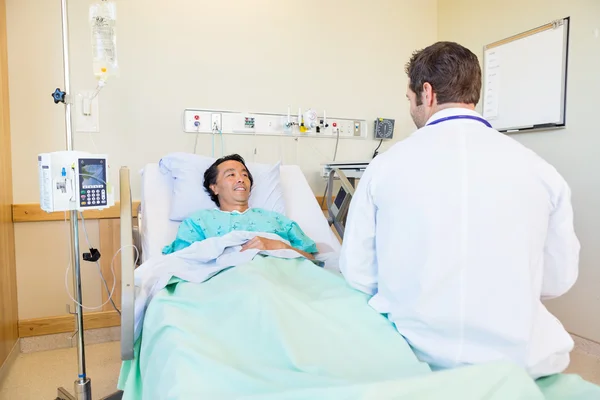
[[215, 122], [335, 127], [196, 121], [356, 128], [348, 128]]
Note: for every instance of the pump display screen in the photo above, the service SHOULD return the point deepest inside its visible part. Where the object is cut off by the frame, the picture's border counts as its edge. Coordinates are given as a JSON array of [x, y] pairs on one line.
[[92, 182]]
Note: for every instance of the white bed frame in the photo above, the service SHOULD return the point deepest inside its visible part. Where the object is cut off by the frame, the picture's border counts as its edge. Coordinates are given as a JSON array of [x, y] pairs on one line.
[[155, 230]]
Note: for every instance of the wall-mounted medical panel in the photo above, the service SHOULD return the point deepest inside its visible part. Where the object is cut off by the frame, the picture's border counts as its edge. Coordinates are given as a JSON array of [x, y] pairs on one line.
[[310, 124]]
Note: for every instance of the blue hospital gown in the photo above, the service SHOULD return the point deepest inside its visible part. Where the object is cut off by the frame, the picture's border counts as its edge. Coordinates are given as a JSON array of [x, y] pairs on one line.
[[205, 224]]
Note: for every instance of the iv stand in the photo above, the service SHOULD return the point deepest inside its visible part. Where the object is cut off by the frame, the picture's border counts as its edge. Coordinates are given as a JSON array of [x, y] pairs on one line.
[[83, 384]]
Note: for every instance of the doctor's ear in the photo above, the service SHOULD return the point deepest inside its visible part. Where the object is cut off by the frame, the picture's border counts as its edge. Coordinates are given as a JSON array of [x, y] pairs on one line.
[[427, 95], [213, 188]]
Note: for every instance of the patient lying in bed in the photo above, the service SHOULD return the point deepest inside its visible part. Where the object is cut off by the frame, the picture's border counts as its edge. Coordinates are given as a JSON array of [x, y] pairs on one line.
[[229, 183]]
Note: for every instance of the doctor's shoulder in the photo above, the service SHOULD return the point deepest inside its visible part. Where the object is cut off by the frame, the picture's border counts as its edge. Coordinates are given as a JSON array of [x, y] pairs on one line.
[[539, 163], [546, 173], [385, 159], [402, 148]]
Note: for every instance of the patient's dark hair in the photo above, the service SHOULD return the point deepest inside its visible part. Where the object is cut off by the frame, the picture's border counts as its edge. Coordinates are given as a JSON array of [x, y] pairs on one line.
[[210, 175]]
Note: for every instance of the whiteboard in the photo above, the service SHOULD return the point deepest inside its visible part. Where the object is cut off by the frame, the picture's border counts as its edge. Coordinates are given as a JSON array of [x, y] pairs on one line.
[[525, 79]]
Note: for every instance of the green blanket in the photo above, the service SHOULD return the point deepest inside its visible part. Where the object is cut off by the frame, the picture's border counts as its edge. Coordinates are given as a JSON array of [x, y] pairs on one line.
[[287, 329]]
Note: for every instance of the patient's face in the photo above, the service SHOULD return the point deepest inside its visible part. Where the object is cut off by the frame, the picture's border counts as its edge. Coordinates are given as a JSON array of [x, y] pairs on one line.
[[233, 184]]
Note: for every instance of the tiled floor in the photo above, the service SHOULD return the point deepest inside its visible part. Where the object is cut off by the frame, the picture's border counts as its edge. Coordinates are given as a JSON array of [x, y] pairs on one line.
[[585, 365], [36, 376]]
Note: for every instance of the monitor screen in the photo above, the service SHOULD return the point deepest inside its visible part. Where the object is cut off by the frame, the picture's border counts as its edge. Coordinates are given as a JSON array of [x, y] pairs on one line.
[[339, 199], [92, 182]]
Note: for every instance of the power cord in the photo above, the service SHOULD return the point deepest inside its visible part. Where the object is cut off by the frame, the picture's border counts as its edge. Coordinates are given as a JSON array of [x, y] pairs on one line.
[[197, 134], [70, 249], [376, 152], [94, 256], [215, 130], [337, 141]]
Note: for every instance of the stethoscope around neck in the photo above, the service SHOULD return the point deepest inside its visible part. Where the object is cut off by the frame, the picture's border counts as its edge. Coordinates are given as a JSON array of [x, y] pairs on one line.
[[451, 117]]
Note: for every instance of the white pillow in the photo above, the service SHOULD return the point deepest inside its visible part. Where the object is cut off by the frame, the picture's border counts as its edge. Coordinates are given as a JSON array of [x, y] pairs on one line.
[[189, 196]]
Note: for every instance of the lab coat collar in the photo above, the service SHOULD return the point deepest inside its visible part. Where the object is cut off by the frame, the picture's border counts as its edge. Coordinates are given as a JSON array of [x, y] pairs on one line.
[[452, 111]]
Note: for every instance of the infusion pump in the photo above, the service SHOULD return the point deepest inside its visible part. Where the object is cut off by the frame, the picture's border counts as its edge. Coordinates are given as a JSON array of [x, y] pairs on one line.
[[74, 180]]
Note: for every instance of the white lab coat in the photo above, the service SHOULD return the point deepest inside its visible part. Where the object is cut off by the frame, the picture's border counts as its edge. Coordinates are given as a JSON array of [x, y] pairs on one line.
[[460, 232]]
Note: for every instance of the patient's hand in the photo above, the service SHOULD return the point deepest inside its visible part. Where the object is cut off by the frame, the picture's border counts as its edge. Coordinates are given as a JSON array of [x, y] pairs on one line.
[[262, 243]]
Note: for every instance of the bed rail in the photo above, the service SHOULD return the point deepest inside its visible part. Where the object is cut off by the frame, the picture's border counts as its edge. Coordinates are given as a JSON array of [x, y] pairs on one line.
[[127, 266]]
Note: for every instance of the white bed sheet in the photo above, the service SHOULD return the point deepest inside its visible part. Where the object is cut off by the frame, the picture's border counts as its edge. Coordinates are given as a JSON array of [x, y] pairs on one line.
[[301, 206]]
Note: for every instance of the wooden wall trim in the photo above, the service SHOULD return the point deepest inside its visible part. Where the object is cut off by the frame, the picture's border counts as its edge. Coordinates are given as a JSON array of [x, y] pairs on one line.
[[66, 323], [321, 202], [31, 212]]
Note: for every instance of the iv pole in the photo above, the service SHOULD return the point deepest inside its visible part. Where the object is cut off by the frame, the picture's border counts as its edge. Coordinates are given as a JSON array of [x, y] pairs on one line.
[[83, 384]]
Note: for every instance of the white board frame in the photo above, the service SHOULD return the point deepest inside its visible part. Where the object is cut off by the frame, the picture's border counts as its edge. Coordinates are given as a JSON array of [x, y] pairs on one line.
[[565, 57]]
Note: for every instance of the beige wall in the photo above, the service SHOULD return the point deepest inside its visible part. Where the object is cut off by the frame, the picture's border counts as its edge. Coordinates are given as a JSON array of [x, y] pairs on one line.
[[574, 151], [42, 250], [345, 56]]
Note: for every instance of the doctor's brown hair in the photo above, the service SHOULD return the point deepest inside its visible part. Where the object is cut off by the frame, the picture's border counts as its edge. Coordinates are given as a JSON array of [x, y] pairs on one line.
[[452, 70]]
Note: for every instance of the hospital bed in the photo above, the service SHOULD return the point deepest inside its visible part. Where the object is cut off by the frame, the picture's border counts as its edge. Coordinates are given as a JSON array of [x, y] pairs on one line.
[[179, 354]]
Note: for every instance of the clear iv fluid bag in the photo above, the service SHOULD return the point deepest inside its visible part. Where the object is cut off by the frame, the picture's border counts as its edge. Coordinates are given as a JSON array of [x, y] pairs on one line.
[[103, 17]]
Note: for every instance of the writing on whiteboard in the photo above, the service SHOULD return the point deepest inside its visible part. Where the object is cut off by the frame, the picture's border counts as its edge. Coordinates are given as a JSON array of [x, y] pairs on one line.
[[491, 96]]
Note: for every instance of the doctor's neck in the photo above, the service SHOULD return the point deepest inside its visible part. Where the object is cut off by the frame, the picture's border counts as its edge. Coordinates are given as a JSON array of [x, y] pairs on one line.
[[439, 107]]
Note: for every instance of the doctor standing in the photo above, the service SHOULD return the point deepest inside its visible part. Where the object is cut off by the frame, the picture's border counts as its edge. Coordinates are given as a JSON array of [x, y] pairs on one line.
[[459, 232]]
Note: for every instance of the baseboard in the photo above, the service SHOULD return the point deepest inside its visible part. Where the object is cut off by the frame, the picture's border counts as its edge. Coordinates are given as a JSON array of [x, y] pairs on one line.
[[12, 356], [67, 340], [586, 346], [66, 323]]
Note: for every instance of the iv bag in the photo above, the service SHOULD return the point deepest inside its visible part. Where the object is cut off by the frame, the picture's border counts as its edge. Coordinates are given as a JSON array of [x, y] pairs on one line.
[[102, 20]]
